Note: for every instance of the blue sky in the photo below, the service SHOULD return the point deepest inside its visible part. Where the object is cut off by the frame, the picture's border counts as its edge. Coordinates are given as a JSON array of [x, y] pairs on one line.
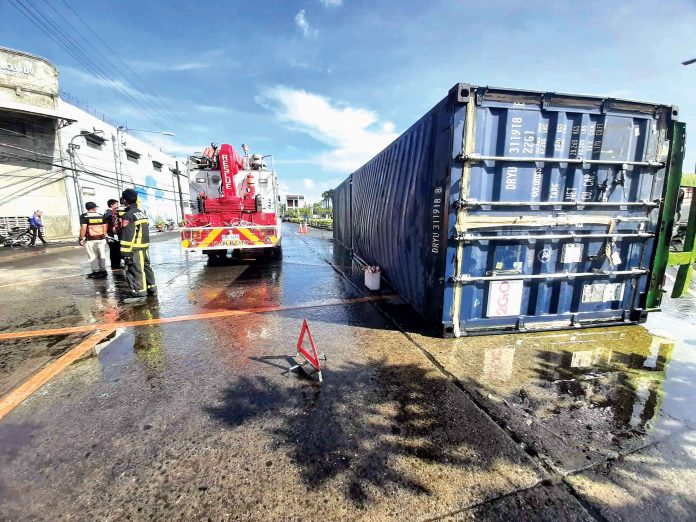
[[324, 84]]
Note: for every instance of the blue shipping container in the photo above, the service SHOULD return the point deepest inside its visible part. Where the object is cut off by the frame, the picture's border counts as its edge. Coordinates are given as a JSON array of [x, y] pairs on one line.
[[506, 210]]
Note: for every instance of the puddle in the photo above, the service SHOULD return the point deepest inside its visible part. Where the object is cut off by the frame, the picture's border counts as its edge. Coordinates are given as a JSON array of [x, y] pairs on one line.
[[578, 397]]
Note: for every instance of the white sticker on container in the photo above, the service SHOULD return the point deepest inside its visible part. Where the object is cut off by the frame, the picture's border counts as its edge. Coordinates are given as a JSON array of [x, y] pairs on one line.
[[614, 291], [603, 292], [572, 253], [504, 298], [615, 258]]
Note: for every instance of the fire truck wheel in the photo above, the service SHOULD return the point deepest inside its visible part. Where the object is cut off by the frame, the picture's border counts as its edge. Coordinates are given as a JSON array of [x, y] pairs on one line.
[[274, 253]]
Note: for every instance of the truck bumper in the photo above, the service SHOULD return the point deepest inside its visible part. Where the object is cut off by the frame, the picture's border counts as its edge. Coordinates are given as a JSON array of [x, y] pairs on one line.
[[229, 238]]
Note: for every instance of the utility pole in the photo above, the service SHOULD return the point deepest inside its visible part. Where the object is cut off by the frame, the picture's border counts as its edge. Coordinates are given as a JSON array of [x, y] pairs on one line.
[[73, 163], [181, 196], [73, 167], [117, 156]]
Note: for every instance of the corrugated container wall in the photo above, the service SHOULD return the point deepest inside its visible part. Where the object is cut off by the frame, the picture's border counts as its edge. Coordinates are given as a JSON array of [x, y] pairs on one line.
[[506, 210], [342, 231]]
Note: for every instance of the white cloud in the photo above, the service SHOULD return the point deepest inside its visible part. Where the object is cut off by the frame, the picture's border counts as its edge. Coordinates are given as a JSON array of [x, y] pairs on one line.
[[168, 144], [331, 3], [145, 66], [109, 83], [213, 109], [301, 22], [354, 134], [308, 183]]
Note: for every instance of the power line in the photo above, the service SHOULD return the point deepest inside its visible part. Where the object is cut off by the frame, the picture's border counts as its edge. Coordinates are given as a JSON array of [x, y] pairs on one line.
[[96, 174], [40, 20], [166, 112], [127, 67]]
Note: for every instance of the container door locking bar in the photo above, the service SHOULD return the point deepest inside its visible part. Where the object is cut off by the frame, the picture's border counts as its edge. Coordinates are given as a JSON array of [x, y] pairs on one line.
[[542, 237], [466, 278], [664, 256], [576, 161]]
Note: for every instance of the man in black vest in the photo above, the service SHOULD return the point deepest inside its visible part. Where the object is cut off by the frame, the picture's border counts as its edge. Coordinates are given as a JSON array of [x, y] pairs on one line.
[[135, 249], [113, 222]]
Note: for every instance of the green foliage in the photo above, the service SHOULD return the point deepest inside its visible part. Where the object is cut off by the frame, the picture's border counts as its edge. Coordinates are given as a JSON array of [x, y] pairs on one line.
[[326, 224], [327, 197], [319, 210]]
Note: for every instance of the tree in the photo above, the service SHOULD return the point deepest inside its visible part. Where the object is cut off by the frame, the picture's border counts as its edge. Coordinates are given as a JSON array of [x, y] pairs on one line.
[[327, 198]]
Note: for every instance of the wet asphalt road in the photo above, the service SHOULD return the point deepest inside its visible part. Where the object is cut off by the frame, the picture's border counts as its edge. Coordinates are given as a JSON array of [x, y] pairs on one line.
[[197, 419]]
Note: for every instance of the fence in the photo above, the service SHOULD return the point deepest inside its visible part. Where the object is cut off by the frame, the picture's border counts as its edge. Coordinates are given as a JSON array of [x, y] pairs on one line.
[[81, 104]]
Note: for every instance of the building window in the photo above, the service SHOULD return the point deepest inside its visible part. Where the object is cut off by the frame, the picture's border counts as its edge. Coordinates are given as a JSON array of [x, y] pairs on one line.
[[88, 191], [94, 141], [132, 156], [156, 165]]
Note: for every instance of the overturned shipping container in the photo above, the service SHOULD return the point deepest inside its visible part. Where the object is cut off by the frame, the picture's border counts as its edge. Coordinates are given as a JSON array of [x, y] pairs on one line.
[[503, 210]]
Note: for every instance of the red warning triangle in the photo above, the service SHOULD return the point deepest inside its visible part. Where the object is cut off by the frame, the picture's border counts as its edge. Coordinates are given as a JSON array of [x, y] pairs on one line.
[[313, 357]]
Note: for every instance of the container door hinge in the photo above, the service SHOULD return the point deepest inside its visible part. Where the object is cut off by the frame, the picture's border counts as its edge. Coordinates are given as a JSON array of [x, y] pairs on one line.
[[465, 204], [472, 158], [460, 279]]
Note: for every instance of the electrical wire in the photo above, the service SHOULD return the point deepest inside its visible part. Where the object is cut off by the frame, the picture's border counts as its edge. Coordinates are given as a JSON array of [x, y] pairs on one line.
[[83, 169], [40, 20], [131, 72], [112, 180]]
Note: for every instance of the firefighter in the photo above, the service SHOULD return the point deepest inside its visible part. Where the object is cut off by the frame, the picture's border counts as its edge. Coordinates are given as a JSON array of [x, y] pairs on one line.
[[93, 237], [135, 238]]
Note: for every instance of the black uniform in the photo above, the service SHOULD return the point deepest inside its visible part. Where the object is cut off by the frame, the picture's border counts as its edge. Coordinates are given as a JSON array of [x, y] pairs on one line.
[[113, 222], [135, 242]]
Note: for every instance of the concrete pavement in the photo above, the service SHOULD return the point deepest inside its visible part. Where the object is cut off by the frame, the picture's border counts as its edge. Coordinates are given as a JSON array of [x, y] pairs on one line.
[[195, 419]]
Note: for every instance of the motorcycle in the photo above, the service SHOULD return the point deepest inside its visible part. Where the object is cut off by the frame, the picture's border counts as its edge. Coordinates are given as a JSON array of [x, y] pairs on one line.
[[15, 238]]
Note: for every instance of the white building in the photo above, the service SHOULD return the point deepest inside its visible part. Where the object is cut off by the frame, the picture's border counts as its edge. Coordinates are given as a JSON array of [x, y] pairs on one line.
[[294, 201], [55, 156]]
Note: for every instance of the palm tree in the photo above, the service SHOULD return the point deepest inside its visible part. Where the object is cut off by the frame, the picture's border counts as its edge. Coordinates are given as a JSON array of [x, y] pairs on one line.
[[327, 198]]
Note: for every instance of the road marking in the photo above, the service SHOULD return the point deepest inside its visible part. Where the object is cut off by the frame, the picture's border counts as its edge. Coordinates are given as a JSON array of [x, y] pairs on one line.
[[216, 314], [691, 292], [15, 397]]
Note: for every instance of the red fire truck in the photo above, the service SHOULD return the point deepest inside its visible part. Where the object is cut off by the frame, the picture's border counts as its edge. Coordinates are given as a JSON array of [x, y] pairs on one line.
[[236, 205]]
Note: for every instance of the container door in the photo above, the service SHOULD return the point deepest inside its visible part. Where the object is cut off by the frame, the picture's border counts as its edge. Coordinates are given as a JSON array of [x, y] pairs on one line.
[[559, 207]]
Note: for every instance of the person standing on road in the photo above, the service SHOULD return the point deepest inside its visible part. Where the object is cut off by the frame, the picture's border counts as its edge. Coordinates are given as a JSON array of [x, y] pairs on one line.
[[113, 224], [135, 249], [93, 236], [36, 228]]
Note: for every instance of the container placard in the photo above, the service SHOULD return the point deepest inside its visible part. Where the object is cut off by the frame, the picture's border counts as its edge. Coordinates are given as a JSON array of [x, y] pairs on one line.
[[504, 298], [572, 253], [603, 292]]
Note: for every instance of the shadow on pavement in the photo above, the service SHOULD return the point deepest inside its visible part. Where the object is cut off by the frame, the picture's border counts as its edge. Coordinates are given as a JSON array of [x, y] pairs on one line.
[[372, 425]]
